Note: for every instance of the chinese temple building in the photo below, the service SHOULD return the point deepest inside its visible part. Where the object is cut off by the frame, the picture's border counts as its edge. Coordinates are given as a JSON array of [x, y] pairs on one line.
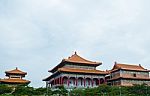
[[14, 77], [128, 75], [76, 72]]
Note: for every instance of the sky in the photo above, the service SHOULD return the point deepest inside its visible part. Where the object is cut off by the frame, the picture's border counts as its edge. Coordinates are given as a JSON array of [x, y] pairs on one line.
[[35, 35]]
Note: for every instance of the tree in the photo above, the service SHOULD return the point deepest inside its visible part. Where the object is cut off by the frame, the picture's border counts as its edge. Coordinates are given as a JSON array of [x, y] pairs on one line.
[[42, 91], [23, 90], [104, 89], [5, 89], [61, 91], [139, 90]]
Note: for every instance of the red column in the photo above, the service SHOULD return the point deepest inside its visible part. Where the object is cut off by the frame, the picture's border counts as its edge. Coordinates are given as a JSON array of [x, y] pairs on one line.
[[76, 81], [68, 81], [62, 82], [92, 82], [54, 81], [58, 81], [99, 81]]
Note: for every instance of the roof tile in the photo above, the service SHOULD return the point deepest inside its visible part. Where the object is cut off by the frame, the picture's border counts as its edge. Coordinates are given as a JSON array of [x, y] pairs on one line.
[[128, 67], [14, 81], [77, 59], [16, 71], [77, 70]]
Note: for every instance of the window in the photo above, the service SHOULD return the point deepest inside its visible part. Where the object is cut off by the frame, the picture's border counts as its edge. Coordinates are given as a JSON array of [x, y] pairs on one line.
[[15, 77], [134, 75]]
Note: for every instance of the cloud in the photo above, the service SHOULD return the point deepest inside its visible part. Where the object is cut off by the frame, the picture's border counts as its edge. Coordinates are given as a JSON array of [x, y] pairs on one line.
[[40, 33]]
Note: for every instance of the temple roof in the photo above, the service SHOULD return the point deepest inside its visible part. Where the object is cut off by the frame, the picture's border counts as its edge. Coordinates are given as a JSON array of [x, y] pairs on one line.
[[16, 71], [77, 70], [128, 67], [16, 81], [75, 58]]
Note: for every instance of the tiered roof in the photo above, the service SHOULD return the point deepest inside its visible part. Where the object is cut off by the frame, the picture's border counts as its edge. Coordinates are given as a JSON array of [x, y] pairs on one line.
[[77, 70], [15, 81], [129, 67], [133, 67], [16, 71], [76, 59]]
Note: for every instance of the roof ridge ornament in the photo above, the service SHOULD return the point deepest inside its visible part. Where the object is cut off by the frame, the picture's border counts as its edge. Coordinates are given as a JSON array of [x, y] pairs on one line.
[[75, 53]]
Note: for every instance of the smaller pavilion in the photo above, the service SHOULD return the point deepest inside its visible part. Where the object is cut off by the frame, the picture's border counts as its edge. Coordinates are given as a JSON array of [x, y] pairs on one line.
[[14, 77]]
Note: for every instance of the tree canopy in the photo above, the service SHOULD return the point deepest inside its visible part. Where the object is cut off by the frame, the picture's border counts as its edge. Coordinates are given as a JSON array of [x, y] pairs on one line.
[[102, 90]]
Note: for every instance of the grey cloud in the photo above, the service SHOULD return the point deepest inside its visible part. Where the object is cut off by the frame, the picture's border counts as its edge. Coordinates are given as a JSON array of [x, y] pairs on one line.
[[41, 33]]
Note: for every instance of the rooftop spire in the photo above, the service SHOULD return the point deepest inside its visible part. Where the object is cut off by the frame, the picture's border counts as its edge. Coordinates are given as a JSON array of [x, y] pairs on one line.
[[75, 52]]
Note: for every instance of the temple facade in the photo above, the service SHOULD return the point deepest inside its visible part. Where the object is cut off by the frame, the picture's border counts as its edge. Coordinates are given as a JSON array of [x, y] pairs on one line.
[[76, 72], [128, 75], [14, 77]]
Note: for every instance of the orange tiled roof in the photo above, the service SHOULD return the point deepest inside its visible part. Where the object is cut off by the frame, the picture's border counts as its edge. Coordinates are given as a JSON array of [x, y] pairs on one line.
[[128, 67], [20, 81], [16, 71], [75, 70], [77, 59]]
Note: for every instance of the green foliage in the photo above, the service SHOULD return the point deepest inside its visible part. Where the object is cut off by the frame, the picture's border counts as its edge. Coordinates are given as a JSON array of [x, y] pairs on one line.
[[5, 89], [105, 90], [41, 91], [102, 90], [30, 91], [141, 90], [77, 92], [60, 91], [7, 95], [23, 90]]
